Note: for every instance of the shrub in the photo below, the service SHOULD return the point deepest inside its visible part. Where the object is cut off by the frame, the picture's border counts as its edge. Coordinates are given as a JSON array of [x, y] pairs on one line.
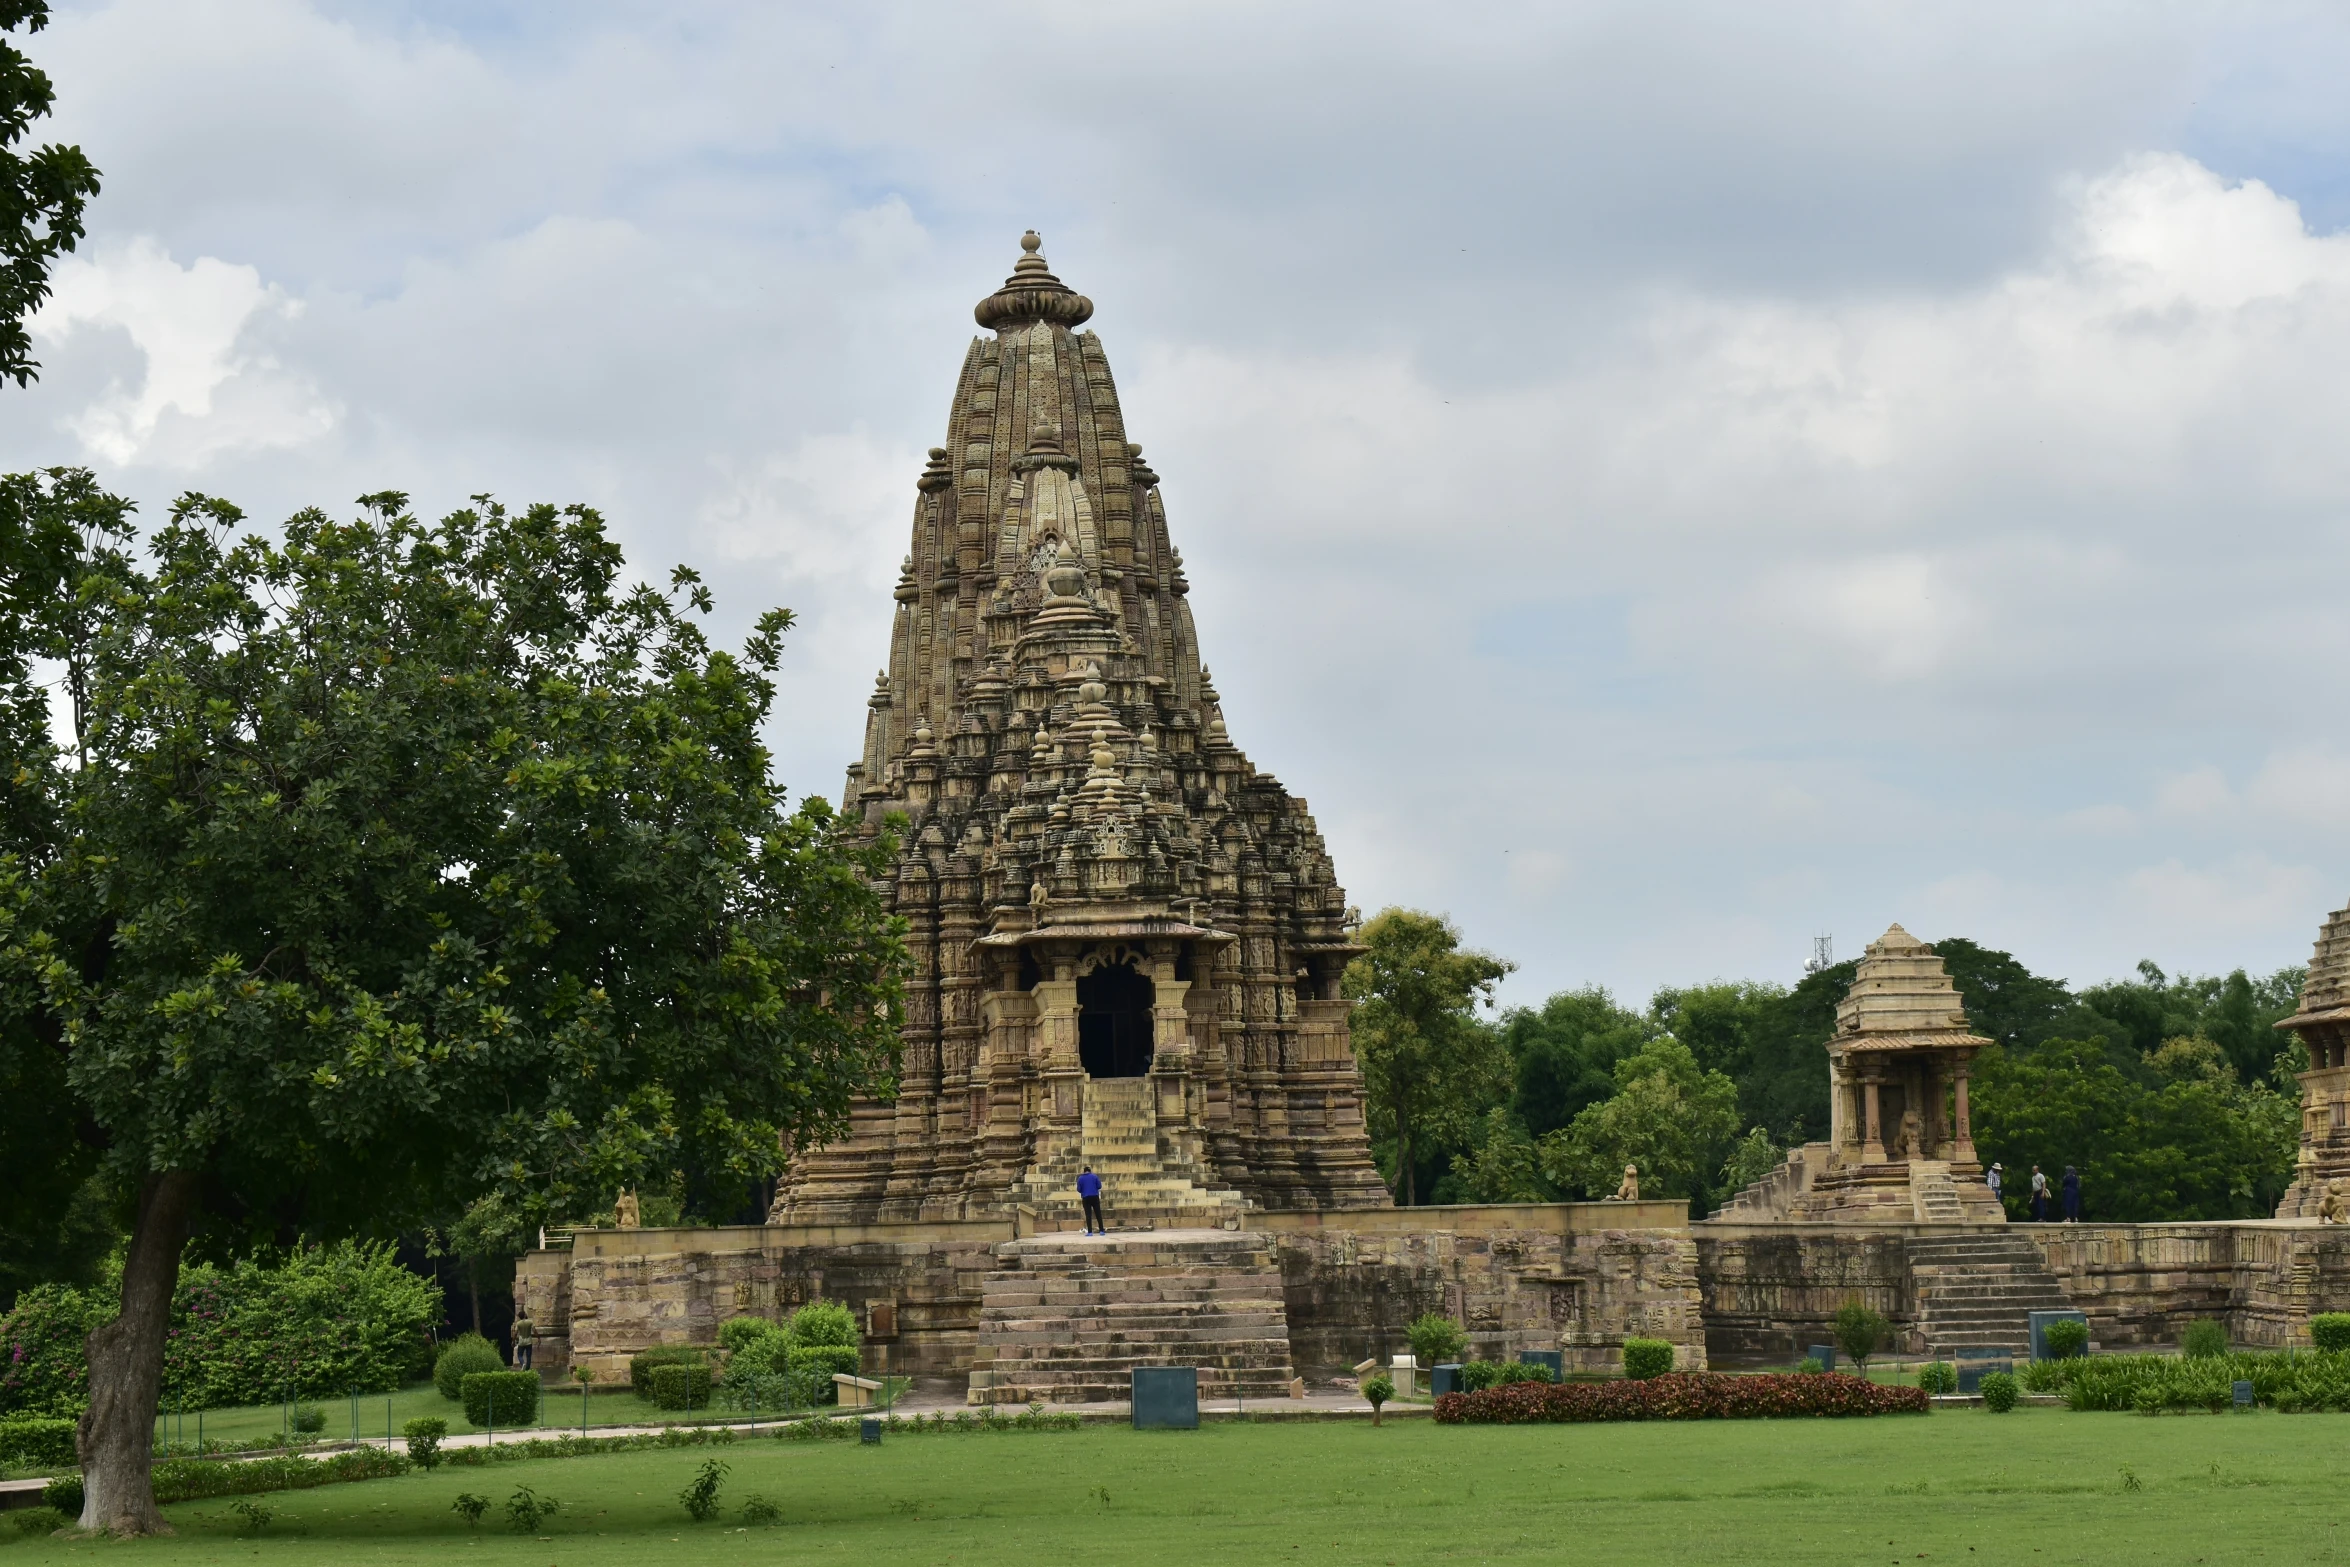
[[2330, 1330], [1683, 1395], [461, 1357], [760, 1510], [255, 1514], [738, 1333], [189, 1479], [813, 1367], [470, 1507], [1859, 1331], [344, 1318], [1811, 1367], [1437, 1339], [424, 1435], [1379, 1389], [506, 1398], [309, 1418], [2205, 1340], [640, 1367], [526, 1509], [1478, 1375], [701, 1492], [2067, 1338], [825, 1322], [35, 1441], [1999, 1392], [39, 1520], [681, 1386], [1647, 1357], [1938, 1376], [65, 1494]]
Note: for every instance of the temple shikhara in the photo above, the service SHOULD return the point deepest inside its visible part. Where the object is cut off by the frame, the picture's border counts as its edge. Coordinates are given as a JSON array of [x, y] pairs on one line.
[[1128, 939]]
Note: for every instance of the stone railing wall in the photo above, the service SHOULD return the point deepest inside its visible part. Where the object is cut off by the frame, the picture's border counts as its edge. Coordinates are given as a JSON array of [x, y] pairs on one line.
[[1769, 1290], [1577, 1277]]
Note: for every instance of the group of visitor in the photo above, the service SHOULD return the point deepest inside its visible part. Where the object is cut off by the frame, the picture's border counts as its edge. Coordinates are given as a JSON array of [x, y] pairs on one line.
[[1997, 1176]]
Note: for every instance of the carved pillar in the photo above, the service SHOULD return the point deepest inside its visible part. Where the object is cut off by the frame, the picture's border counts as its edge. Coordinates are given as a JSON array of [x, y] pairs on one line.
[[1966, 1133], [1872, 1148]]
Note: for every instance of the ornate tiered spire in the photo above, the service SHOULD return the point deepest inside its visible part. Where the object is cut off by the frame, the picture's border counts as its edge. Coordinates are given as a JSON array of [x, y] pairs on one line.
[[1072, 797]]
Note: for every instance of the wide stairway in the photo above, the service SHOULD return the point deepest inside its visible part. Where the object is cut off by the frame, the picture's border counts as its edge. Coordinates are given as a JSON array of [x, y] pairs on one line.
[[1978, 1291], [1065, 1318], [1148, 1183]]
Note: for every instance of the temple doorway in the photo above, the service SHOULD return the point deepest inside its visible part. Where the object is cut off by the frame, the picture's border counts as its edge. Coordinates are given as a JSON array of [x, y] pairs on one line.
[[1114, 1021]]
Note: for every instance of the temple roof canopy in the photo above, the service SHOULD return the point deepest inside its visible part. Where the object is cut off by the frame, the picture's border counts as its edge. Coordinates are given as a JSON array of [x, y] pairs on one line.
[[1902, 999]]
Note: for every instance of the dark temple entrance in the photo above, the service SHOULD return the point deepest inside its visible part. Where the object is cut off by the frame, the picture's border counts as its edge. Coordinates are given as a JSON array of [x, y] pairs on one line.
[[1114, 1022]]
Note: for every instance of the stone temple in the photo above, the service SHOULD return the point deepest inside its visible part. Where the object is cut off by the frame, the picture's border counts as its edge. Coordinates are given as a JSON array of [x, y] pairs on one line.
[[1128, 940], [1128, 946]]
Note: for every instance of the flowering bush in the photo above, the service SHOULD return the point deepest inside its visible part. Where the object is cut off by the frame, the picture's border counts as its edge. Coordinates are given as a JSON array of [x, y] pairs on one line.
[[1683, 1395]]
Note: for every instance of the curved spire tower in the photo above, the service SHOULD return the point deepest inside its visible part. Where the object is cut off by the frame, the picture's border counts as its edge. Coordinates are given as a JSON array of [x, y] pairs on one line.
[[1127, 940]]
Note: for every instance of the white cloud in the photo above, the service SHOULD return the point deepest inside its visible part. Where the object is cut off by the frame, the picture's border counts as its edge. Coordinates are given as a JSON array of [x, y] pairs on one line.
[[205, 388]]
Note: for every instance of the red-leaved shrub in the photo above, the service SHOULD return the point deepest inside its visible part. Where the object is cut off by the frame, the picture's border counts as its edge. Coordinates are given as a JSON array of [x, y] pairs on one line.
[[1683, 1395]]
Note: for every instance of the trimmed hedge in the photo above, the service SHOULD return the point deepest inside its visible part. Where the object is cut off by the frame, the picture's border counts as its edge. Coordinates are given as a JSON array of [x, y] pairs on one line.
[[512, 1397], [681, 1386], [1647, 1357], [187, 1479], [640, 1367], [2330, 1330], [1999, 1392], [1478, 1375], [815, 1365], [462, 1356], [37, 1441], [1683, 1395]]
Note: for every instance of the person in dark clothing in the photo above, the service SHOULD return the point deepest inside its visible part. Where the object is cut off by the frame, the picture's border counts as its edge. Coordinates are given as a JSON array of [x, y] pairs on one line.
[[1089, 1189], [525, 1340], [2072, 1195]]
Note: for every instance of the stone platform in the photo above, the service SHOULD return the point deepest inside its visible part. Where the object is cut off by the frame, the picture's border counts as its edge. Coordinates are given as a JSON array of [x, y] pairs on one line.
[[1067, 1318]]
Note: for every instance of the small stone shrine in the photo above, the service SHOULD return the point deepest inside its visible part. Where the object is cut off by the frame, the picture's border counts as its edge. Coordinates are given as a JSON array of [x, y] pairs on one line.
[[2323, 1024], [1899, 1142], [1127, 939]]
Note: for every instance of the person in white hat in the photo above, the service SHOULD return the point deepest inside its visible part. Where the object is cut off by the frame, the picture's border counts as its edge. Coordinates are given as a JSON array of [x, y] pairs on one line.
[[1997, 1176]]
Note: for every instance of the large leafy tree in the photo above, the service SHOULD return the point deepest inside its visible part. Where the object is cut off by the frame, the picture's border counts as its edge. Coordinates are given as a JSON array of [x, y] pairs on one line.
[[42, 191], [408, 864], [1669, 1116], [1430, 1064], [2180, 1138]]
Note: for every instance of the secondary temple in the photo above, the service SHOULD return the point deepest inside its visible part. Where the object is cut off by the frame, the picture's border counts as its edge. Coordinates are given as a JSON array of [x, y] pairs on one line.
[[1127, 939]]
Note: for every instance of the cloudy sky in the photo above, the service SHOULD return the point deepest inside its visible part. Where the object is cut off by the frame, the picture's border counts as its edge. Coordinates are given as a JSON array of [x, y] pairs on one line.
[[1663, 481]]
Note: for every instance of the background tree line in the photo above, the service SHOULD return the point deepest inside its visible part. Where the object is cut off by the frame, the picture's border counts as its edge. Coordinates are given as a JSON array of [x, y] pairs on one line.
[[2174, 1096]]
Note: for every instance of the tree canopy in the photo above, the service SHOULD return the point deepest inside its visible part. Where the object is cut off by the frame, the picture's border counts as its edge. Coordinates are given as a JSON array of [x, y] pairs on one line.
[[1426, 1056], [403, 865], [42, 191]]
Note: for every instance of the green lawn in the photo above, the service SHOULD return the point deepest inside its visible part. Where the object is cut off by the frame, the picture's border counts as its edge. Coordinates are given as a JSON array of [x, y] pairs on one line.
[[2037, 1486]]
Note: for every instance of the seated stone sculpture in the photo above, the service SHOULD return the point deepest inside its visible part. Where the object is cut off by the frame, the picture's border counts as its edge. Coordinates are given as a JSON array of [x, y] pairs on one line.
[[626, 1214], [2334, 1207], [1630, 1190]]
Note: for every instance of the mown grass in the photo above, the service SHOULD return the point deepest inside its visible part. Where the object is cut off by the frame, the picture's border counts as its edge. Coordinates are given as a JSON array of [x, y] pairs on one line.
[[2037, 1486]]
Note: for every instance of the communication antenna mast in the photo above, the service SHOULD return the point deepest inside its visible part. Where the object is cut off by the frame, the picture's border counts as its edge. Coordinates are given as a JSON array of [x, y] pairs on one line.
[[1823, 954]]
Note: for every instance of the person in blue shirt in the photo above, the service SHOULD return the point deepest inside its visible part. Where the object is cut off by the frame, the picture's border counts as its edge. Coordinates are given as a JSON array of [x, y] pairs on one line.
[[1089, 1188]]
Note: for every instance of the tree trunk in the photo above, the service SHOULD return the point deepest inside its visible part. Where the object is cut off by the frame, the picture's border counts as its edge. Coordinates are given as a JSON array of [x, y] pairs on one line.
[[117, 1435], [473, 1292]]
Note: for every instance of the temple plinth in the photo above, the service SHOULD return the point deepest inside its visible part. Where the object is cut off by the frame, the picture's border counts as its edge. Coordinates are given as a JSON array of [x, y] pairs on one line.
[[1127, 939], [1900, 1145], [2322, 1023]]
